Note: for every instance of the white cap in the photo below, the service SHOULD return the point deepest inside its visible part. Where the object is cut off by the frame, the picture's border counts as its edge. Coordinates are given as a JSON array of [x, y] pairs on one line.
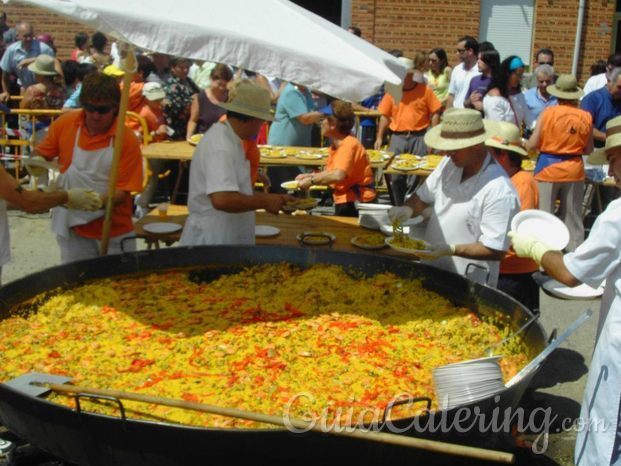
[[153, 91]]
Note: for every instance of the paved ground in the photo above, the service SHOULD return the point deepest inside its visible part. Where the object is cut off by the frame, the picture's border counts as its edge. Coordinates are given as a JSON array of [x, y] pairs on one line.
[[559, 385]]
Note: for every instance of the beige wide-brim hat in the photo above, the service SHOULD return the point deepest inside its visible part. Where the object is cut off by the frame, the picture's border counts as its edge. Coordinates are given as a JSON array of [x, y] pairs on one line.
[[613, 139], [250, 99], [460, 128], [565, 87], [43, 65], [506, 136]]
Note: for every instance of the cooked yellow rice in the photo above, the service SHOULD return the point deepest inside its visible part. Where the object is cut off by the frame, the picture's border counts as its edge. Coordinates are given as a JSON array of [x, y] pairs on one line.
[[251, 340]]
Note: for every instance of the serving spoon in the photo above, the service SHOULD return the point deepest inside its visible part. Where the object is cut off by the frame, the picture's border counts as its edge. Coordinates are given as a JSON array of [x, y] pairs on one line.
[[489, 351]]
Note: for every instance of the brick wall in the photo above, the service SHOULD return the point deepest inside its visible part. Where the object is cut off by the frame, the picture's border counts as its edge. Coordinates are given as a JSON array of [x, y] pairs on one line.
[[414, 25]]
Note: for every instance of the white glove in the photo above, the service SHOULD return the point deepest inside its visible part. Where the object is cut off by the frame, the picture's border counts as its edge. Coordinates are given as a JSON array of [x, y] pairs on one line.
[[435, 251], [35, 171], [526, 245], [83, 199], [400, 213], [52, 187]]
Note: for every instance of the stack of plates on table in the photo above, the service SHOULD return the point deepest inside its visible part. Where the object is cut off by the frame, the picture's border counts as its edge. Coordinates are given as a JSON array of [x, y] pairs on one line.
[[468, 381]]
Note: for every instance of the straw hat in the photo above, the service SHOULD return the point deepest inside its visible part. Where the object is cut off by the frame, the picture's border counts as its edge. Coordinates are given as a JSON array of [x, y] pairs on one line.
[[565, 87], [153, 91], [613, 139], [250, 99], [44, 65], [460, 128], [114, 71], [506, 136]]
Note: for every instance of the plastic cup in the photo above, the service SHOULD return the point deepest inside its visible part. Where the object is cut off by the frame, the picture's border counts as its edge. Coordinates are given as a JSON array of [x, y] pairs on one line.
[[162, 211]]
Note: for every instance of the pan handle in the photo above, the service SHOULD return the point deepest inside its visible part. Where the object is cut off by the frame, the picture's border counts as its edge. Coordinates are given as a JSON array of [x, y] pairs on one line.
[[123, 243], [471, 272], [405, 401], [113, 399]]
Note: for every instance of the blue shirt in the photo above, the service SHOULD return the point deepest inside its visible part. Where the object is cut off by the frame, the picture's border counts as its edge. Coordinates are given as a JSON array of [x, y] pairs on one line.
[[73, 101], [371, 102], [14, 54], [601, 106], [536, 103], [286, 130]]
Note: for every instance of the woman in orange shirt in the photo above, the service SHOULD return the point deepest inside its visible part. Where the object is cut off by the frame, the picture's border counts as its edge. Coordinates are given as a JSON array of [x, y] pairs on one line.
[[562, 135], [348, 170]]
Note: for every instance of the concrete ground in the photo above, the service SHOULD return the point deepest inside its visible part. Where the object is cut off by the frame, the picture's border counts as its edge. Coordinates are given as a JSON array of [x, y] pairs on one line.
[[559, 385]]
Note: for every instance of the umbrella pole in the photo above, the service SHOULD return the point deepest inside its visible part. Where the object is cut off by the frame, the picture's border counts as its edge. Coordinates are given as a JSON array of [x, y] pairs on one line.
[[129, 66]]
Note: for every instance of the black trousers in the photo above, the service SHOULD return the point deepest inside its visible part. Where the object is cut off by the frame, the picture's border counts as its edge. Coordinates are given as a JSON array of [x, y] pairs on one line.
[[522, 287]]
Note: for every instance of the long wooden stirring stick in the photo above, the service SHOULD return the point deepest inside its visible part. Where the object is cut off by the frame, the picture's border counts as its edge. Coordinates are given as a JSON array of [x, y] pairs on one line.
[[381, 437]]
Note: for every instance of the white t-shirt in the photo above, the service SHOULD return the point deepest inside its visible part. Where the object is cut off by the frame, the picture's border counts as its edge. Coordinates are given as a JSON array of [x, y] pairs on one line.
[[497, 108], [218, 164], [460, 81], [594, 83], [479, 209], [596, 260], [5, 246]]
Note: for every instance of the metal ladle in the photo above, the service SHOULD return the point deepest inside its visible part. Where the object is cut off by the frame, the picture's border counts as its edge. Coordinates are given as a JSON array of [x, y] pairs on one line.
[[489, 351]]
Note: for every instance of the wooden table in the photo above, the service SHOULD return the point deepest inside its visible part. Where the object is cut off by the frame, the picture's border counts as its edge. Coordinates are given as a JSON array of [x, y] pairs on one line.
[[183, 151], [343, 228]]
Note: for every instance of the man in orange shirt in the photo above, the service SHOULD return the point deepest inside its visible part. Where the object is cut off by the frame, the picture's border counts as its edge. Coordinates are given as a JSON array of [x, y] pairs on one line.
[[83, 142], [408, 120], [516, 273], [562, 135]]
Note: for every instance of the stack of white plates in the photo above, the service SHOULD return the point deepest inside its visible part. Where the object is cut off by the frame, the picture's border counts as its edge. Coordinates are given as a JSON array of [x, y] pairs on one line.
[[468, 381]]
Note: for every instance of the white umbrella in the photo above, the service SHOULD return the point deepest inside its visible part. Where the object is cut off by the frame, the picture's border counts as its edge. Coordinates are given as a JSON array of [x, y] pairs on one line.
[[273, 37]]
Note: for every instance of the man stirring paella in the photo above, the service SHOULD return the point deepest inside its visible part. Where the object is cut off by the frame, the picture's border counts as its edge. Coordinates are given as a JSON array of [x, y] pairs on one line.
[[471, 198]]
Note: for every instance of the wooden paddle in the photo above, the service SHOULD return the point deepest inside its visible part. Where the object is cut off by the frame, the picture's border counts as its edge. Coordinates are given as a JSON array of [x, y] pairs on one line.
[[381, 437]]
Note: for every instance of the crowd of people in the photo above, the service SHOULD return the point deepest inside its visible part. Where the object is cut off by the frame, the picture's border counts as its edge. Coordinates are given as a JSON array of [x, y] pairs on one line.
[[485, 114]]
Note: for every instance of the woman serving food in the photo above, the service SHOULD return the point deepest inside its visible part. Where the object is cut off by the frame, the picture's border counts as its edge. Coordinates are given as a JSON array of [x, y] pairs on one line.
[[348, 169]]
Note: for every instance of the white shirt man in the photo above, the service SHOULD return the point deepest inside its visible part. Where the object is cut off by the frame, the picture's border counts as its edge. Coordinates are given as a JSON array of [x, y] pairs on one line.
[[468, 52], [472, 200], [222, 201]]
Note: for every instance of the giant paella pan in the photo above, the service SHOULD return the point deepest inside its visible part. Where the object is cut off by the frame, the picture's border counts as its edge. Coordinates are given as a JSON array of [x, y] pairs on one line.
[[102, 433]]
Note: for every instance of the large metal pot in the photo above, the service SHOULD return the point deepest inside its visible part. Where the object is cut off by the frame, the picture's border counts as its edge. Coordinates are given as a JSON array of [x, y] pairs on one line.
[[94, 439]]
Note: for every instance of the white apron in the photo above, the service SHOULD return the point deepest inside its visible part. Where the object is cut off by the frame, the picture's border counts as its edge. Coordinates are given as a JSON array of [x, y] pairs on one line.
[[454, 221], [219, 229], [601, 403], [88, 169]]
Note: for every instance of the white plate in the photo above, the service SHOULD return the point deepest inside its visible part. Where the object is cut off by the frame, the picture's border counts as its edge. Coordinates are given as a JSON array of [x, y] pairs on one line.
[[369, 206], [265, 231], [308, 156], [311, 204], [161, 227], [542, 225], [405, 250], [358, 244], [583, 291], [386, 227]]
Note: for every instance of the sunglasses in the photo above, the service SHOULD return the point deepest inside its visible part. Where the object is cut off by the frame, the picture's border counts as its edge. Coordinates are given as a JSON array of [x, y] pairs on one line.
[[101, 109], [545, 63]]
